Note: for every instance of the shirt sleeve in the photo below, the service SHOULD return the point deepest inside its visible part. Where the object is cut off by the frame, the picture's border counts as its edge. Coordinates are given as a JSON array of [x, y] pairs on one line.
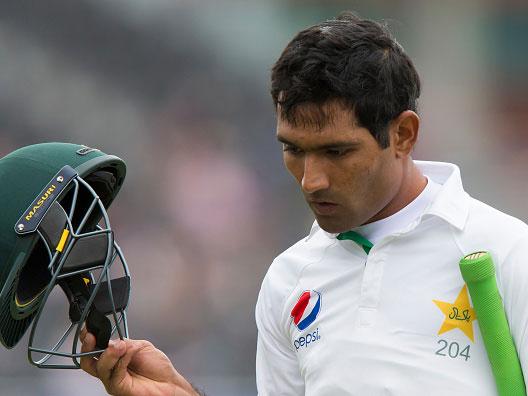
[[277, 365], [513, 277]]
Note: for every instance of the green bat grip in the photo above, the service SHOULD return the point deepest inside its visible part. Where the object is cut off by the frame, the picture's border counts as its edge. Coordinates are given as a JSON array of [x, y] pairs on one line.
[[478, 272]]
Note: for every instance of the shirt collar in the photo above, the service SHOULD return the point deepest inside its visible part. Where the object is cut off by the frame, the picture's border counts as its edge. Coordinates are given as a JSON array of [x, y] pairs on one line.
[[450, 204]]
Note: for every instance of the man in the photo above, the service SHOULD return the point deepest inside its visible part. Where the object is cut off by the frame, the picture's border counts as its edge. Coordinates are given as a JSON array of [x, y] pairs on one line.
[[372, 301]]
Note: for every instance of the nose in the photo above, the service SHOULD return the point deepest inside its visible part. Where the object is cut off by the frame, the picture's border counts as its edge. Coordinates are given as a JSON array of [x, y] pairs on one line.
[[314, 176]]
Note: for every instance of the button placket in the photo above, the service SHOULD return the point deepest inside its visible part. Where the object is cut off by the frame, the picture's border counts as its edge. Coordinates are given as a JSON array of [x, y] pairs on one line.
[[371, 289]]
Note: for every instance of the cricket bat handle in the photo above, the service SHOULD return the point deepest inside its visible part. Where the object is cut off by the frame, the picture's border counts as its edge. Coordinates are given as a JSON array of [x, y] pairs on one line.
[[478, 272]]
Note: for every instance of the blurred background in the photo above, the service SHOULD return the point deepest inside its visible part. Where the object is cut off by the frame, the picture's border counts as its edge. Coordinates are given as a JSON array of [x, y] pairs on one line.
[[179, 89]]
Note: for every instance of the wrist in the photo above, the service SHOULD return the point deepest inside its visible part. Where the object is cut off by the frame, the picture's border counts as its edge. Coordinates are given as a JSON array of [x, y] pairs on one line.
[[183, 385]]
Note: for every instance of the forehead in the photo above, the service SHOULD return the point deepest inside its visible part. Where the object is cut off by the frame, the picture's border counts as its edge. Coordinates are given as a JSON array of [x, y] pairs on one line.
[[317, 116], [315, 125]]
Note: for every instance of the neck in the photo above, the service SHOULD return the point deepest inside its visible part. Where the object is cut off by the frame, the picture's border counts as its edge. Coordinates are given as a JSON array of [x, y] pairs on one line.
[[413, 183]]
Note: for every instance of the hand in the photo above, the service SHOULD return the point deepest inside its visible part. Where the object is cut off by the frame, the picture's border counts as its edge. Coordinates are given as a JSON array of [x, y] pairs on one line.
[[134, 368]]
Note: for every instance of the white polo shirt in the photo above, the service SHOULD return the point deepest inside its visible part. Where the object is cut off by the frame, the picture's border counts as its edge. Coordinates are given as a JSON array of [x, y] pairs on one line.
[[333, 321], [397, 222]]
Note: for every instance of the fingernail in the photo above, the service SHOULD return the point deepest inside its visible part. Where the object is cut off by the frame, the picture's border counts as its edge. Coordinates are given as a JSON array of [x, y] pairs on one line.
[[119, 345], [90, 338]]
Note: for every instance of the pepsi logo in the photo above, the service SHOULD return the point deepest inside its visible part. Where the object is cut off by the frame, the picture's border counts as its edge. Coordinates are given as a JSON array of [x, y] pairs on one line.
[[306, 309]]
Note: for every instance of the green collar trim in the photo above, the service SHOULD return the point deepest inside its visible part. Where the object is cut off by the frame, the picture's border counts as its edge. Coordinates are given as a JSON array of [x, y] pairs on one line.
[[359, 239]]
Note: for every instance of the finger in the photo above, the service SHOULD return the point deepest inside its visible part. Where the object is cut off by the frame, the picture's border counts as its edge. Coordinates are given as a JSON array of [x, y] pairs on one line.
[[121, 369], [108, 360], [82, 334], [88, 363]]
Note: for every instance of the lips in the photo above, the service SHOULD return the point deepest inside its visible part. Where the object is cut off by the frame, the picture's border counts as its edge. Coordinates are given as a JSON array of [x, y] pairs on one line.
[[324, 208]]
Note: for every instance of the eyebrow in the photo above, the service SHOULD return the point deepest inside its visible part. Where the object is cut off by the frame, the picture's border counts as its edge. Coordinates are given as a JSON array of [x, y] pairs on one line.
[[329, 145]]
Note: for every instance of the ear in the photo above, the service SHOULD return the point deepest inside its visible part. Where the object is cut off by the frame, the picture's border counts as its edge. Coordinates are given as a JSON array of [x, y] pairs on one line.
[[404, 132]]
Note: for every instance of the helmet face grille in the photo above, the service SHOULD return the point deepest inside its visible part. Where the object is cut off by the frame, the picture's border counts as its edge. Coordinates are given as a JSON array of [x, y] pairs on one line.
[[73, 246]]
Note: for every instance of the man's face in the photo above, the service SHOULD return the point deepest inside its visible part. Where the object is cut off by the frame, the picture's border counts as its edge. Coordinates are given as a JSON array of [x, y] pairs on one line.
[[346, 178]]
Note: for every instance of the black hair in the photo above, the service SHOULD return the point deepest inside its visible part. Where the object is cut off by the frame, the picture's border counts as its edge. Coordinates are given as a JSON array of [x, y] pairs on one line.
[[349, 60]]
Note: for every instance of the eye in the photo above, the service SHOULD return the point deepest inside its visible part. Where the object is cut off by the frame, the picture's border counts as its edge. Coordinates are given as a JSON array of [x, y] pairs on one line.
[[291, 149], [337, 152]]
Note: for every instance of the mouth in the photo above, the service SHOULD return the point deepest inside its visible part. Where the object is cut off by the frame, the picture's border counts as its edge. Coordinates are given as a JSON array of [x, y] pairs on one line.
[[323, 208]]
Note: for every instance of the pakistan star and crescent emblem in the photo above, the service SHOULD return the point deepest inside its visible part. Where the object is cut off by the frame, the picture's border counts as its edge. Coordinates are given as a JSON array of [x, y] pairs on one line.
[[458, 315]]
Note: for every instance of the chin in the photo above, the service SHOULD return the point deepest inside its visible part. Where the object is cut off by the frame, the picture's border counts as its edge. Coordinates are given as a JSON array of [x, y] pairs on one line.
[[333, 227]]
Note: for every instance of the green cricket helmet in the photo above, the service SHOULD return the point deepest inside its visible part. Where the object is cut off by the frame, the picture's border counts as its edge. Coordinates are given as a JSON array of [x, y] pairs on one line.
[[54, 230]]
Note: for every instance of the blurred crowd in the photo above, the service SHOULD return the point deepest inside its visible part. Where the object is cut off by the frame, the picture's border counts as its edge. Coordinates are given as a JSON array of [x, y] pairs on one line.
[[179, 90]]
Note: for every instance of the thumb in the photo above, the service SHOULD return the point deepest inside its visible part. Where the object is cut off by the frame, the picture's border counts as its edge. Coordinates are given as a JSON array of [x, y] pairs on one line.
[[109, 359], [120, 371]]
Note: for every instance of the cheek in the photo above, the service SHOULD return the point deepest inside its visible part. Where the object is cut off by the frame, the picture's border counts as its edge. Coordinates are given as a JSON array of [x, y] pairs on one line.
[[384, 180], [294, 165], [366, 182], [357, 176]]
